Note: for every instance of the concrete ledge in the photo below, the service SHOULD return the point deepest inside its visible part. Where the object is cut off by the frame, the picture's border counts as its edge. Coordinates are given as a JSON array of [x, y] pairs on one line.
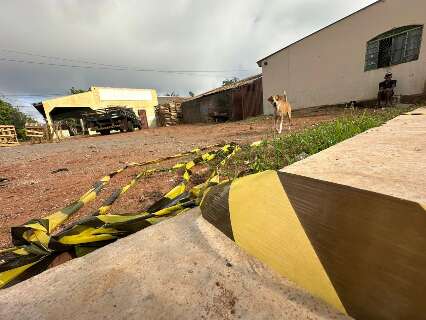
[[389, 159], [347, 224], [183, 268]]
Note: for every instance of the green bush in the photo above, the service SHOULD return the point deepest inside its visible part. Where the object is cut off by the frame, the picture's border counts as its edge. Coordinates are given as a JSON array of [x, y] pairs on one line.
[[10, 115]]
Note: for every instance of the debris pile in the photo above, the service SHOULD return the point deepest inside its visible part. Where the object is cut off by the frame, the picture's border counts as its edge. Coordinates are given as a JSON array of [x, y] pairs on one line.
[[169, 114]]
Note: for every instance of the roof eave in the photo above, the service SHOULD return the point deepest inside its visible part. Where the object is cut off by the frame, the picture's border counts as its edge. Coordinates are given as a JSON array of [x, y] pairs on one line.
[[240, 83], [39, 107], [259, 62]]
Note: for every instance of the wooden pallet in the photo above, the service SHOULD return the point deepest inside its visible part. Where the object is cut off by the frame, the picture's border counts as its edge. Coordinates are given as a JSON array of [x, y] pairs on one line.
[[35, 131], [8, 137]]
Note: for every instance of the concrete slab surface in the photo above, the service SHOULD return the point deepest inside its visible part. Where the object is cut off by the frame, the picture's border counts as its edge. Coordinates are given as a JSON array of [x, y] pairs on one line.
[[390, 159], [183, 268]]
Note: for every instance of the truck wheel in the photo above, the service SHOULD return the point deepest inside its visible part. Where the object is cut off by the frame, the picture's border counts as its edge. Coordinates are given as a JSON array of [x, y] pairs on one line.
[[130, 127], [104, 132], [124, 126]]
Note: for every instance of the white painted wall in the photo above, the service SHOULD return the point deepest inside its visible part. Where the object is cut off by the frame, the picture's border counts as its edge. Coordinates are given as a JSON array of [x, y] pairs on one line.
[[118, 94], [328, 67]]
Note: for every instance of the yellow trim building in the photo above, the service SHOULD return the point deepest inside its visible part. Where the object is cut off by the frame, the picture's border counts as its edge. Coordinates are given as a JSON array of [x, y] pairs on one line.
[[98, 98]]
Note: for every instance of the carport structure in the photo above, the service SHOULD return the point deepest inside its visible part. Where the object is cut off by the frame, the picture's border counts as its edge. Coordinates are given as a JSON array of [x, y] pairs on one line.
[[142, 101], [236, 101]]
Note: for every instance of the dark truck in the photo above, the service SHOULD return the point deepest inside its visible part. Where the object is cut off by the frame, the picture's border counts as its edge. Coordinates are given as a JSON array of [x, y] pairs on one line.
[[112, 118]]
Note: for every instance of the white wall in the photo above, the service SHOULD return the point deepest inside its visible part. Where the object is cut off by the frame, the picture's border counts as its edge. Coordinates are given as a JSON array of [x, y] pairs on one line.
[[328, 67]]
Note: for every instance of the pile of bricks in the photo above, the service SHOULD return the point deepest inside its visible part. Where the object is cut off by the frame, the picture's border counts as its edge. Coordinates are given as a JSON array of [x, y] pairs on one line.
[[169, 114]]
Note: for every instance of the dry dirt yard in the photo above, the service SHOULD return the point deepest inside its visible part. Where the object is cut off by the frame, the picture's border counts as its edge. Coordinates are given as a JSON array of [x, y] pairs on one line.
[[33, 190]]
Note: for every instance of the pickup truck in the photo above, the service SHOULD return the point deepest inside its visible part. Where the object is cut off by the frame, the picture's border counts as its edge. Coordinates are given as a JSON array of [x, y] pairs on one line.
[[112, 118]]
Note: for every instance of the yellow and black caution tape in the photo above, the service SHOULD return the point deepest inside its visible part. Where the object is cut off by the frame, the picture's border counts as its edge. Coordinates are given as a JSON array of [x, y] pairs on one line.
[[360, 251], [36, 244]]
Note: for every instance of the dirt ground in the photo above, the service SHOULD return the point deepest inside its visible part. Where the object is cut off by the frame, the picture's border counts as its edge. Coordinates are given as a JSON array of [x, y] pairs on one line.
[[34, 190]]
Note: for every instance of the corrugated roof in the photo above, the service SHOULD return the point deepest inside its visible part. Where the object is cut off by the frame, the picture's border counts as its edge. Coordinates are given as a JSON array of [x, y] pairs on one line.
[[259, 63], [229, 86], [167, 99]]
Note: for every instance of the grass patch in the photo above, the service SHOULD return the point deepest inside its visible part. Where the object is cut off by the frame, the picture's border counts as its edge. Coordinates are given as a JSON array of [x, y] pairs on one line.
[[281, 151]]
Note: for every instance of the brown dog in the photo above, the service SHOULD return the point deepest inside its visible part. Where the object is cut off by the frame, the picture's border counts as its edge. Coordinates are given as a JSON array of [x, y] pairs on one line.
[[281, 108]]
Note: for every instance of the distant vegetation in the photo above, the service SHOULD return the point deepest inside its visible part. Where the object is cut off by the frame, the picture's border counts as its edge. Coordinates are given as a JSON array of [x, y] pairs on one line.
[[10, 115], [172, 94], [284, 150], [230, 81], [76, 91]]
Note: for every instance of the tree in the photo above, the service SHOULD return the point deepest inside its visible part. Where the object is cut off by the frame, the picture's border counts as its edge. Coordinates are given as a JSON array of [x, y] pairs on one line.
[[76, 91], [10, 115], [172, 94], [229, 81], [191, 94]]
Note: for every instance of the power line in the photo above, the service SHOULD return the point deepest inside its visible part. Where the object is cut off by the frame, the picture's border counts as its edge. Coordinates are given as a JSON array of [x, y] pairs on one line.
[[59, 58], [174, 72], [124, 67], [55, 64], [14, 98], [96, 65], [34, 95]]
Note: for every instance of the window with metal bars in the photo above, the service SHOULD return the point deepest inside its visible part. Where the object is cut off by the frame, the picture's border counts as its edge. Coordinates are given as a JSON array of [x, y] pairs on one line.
[[396, 46]]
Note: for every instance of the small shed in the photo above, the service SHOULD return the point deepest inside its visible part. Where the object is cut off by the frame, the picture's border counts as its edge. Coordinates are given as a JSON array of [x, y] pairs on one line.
[[236, 101]]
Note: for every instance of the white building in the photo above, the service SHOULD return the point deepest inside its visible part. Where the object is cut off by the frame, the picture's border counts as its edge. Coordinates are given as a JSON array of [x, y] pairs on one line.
[[346, 60]]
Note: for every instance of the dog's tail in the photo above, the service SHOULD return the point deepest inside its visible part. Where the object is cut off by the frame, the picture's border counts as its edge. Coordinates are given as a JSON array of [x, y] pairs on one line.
[[285, 96]]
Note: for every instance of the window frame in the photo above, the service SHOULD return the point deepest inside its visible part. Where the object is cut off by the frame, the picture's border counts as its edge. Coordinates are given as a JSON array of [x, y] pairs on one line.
[[374, 44]]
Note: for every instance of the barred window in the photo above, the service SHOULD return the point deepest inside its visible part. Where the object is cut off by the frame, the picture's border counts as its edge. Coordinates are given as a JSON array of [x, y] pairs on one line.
[[396, 46]]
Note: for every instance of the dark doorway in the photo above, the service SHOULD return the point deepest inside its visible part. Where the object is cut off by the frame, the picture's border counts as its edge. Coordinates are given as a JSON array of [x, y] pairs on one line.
[[237, 106], [143, 118]]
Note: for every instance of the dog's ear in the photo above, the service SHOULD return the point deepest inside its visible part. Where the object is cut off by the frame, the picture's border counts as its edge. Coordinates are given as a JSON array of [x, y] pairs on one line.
[[271, 99]]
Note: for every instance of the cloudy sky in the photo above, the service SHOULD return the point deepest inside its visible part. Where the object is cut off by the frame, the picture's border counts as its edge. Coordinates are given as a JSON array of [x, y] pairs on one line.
[[49, 46]]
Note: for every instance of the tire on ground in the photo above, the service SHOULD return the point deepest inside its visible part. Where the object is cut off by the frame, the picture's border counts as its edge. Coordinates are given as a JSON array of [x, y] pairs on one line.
[[124, 125], [130, 127], [105, 132]]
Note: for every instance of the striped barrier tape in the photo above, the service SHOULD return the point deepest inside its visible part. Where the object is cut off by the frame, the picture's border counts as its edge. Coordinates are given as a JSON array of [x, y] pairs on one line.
[[36, 246], [36, 230], [363, 253]]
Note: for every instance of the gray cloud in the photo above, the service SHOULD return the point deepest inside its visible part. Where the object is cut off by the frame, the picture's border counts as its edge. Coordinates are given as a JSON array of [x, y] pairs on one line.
[[178, 35]]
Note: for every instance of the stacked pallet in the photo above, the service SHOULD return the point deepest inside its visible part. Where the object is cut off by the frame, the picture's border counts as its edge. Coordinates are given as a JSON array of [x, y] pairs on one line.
[[8, 137], [36, 132], [169, 114]]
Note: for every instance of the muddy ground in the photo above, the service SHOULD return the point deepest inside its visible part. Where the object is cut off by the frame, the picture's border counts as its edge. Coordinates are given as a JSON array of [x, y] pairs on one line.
[[45, 177]]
